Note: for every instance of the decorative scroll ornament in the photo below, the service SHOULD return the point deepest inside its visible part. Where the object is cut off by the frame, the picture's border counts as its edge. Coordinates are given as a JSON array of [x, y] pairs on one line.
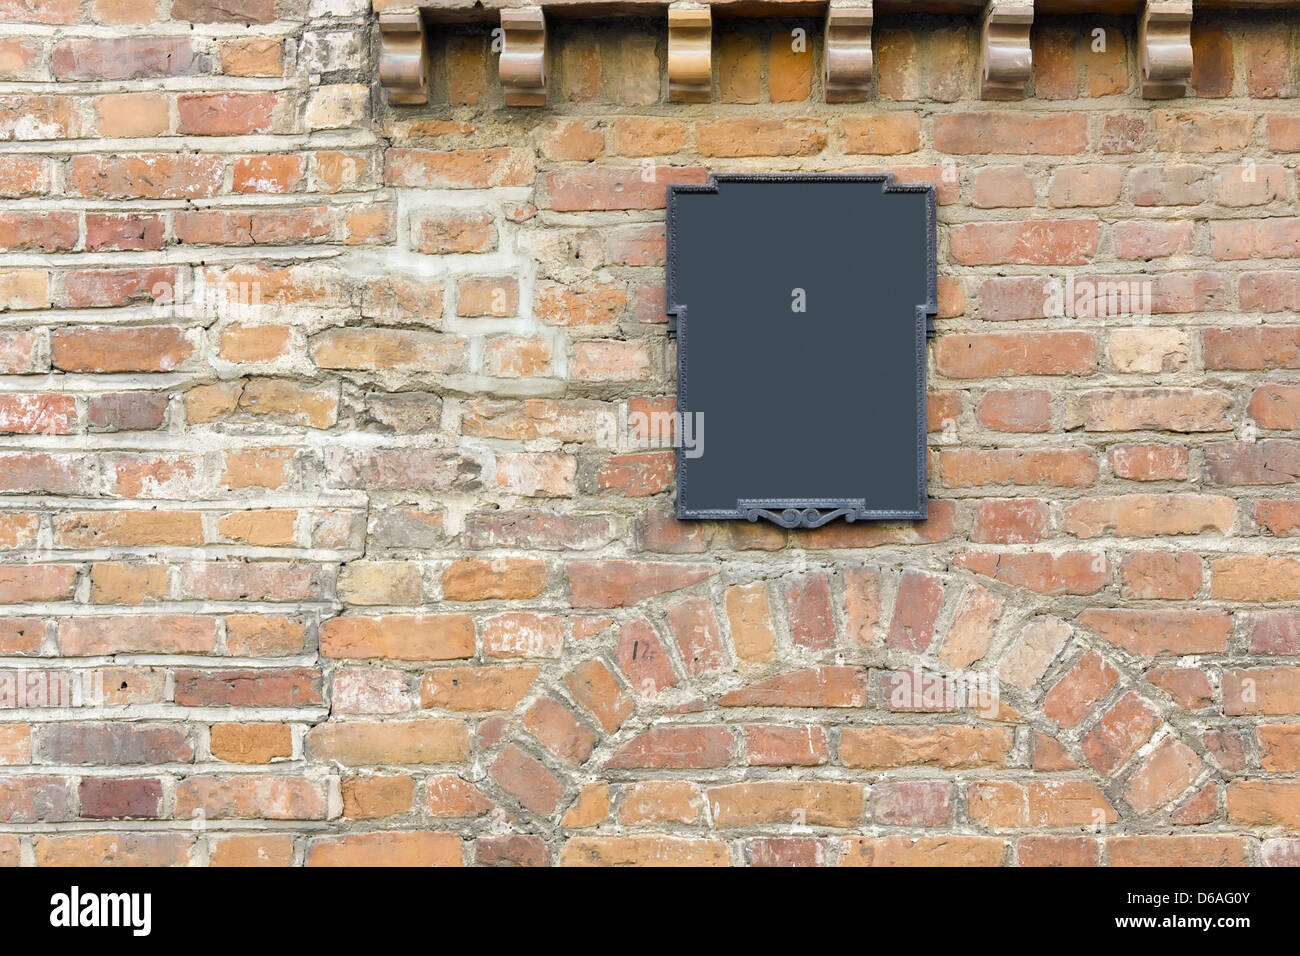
[[800, 515], [848, 52], [1007, 57], [690, 54], [1165, 41], [522, 66], [401, 58]]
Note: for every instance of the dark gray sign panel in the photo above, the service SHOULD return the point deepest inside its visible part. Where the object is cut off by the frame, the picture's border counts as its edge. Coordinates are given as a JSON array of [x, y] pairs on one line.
[[801, 305]]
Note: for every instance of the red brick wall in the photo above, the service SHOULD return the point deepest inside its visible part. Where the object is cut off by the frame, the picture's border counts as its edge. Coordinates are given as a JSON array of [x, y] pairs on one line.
[[366, 573]]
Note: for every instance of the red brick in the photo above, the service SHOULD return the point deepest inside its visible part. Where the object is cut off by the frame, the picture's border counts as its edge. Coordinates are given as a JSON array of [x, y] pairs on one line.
[[399, 637], [596, 689], [784, 801], [386, 849], [770, 745], [527, 780], [1057, 851], [784, 851], [1051, 134], [749, 615], [904, 850], [678, 747], [881, 134], [1119, 733], [638, 475], [1074, 696], [1149, 462], [1070, 572], [146, 176], [458, 169], [1010, 521], [1074, 186], [364, 743], [118, 849], [1261, 690], [614, 583], [1151, 240], [647, 136], [267, 174], [789, 136], [38, 231], [698, 638], [107, 799], [916, 608], [55, 12], [1252, 348], [113, 743], [597, 305], [38, 472], [477, 689], [1275, 406], [1018, 353], [935, 746], [1152, 632], [31, 413], [18, 353], [371, 797], [261, 687], [813, 687], [1003, 187], [912, 803], [250, 743], [1266, 239], [808, 611], [107, 349], [971, 631], [152, 634], [1160, 574], [1188, 686], [511, 849], [969, 468], [1268, 61], [1122, 134], [1275, 632], [1016, 410], [125, 58], [643, 850], [1191, 132], [1283, 133], [498, 579], [608, 187], [1064, 242], [450, 233], [1264, 803], [1268, 462], [1144, 516], [113, 287], [1279, 746]]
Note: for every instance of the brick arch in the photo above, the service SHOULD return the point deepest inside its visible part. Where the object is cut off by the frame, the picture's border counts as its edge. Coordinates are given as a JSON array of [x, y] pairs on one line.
[[722, 712]]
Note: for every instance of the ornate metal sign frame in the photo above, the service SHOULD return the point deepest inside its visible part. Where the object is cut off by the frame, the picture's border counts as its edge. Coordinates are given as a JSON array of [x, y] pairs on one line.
[[800, 512]]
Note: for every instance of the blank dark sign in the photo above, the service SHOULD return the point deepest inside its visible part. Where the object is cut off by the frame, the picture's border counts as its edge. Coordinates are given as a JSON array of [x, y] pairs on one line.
[[801, 305]]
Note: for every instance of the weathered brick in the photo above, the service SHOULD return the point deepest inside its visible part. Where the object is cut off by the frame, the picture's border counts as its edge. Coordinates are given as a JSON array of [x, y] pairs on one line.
[[420, 848], [805, 803], [643, 850], [358, 743], [1070, 572], [1119, 733], [935, 746], [1056, 134], [1024, 353]]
